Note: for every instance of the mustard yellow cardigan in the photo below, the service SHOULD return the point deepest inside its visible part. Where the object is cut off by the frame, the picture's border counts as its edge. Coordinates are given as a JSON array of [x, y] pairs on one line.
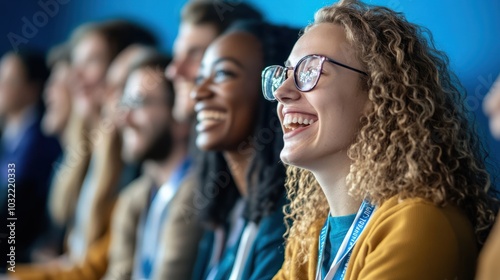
[[412, 239], [92, 267]]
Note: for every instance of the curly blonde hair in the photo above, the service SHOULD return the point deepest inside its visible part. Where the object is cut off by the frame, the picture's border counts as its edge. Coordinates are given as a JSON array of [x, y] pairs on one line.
[[415, 141]]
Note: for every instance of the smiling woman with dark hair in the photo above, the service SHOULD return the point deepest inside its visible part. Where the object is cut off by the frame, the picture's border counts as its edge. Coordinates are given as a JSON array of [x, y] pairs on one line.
[[242, 180]]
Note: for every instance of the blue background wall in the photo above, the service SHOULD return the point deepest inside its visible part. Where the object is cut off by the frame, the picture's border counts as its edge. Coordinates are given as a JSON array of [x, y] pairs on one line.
[[467, 30]]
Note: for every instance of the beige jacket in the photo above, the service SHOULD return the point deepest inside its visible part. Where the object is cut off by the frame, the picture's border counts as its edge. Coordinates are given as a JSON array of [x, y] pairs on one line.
[[181, 232]]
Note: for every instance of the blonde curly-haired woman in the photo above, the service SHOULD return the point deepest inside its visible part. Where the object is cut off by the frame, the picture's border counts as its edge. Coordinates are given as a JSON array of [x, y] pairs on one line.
[[386, 176]]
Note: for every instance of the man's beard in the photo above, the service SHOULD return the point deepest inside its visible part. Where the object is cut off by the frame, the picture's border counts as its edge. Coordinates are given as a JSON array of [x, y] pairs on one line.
[[161, 146]]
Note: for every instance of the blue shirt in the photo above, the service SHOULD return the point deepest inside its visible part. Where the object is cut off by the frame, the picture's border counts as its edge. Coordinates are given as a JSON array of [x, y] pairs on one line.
[[337, 230]]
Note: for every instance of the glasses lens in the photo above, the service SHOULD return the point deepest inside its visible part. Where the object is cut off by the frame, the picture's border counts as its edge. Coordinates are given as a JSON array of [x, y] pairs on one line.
[[272, 78], [307, 73]]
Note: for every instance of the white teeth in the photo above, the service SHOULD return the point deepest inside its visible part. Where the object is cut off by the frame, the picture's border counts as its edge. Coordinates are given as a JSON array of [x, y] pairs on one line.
[[296, 119], [288, 119], [210, 114]]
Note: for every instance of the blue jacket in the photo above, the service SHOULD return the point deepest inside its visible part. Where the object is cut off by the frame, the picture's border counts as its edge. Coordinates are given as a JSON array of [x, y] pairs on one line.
[[34, 160], [266, 254]]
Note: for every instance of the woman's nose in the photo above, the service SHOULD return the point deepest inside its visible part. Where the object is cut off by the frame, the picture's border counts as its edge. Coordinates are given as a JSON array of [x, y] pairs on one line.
[[177, 68], [287, 91], [171, 70], [201, 90]]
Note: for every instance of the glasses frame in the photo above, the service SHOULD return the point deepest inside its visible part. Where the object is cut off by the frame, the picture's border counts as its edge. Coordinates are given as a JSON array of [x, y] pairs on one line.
[[285, 70], [139, 102]]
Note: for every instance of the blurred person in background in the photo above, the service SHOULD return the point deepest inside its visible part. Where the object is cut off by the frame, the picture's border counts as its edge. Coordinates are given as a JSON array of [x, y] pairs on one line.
[[241, 189], [488, 268], [92, 48], [26, 154], [152, 238], [491, 107], [57, 95], [94, 194], [201, 22], [58, 104]]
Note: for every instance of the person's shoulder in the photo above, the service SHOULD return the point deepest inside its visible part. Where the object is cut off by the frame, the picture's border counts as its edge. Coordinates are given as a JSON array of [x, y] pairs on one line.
[[43, 144], [417, 235], [132, 201], [414, 215], [137, 189], [396, 205], [188, 184], [418, 208]]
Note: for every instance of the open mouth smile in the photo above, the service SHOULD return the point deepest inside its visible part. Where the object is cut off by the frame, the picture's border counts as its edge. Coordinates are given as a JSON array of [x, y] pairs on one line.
[[297, 121], [207, 119]]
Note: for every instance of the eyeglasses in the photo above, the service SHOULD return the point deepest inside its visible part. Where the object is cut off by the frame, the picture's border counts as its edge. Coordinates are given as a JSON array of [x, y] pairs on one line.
[[305, 74], [139, 101]]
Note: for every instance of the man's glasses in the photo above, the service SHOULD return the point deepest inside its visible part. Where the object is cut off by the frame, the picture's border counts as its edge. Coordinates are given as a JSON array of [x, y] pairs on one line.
[[139, 101], [305, 74]]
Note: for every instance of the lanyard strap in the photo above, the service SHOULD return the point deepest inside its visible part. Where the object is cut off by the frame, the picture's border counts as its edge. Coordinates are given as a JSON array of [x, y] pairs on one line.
[[244, 248], [226, 238], [156, 216], [342, 257]]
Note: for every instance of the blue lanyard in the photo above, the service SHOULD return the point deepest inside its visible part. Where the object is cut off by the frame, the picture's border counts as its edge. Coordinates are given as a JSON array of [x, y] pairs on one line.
[[339, 266]]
